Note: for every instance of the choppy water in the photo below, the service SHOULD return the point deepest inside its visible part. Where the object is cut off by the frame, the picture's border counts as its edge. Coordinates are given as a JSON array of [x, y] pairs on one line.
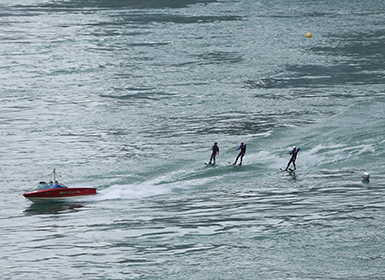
[[128, 96]]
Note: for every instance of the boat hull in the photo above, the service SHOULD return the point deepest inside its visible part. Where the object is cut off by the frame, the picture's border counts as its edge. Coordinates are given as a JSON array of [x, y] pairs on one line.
[[58, 194]]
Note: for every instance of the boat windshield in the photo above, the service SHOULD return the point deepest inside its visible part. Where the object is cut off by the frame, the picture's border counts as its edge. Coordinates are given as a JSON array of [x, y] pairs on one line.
[[47, 186]]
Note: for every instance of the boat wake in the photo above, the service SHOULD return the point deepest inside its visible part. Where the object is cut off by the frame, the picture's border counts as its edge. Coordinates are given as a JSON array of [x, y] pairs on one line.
[[129, 191]]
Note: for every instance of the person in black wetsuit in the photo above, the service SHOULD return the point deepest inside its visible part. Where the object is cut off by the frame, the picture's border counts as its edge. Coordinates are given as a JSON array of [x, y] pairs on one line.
[[215, 152], [241, 154], [293, 154]]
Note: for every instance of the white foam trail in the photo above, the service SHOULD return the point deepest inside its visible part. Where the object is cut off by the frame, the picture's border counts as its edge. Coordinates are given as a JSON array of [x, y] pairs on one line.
[[158, 186], [131, 191]]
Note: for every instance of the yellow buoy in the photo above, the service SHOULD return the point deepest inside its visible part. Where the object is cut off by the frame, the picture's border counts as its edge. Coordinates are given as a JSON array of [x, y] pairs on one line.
[[308, 35]]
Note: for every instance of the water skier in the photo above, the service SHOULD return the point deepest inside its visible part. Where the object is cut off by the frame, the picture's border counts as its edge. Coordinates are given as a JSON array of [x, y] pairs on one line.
[[293, 154], [241, 154], [215, 152]]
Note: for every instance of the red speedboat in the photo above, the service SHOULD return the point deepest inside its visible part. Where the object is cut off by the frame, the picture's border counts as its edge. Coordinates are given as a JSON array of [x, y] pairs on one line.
[[56, 191]]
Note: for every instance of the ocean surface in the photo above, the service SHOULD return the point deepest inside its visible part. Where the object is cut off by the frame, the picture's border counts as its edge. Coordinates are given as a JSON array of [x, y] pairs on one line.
[[129, 96]]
